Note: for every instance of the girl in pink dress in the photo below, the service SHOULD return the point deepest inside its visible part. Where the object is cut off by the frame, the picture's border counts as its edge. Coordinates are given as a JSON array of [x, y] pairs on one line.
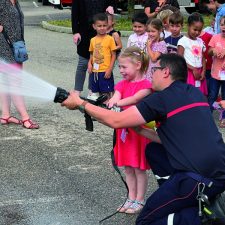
[[129, 150]]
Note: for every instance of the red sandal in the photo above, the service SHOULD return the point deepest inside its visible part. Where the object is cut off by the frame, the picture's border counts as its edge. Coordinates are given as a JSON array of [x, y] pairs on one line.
[[32, 125], [10, 120]]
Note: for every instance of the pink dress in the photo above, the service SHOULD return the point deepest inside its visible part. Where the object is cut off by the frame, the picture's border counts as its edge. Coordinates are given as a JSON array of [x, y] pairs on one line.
[[130, 146]]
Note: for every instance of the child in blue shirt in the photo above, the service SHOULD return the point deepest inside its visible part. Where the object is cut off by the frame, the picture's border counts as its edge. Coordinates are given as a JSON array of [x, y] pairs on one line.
[[176, 25]]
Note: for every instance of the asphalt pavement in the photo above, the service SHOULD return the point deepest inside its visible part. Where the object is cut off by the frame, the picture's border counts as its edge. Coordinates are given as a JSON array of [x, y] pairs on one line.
[[60, 174]]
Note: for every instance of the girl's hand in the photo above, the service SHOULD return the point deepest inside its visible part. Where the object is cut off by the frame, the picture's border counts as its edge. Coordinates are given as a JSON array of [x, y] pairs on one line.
[[149, 42], [196, 74], [202, 75], [111, 103], [223, 66], [1, 28], [108, 74]]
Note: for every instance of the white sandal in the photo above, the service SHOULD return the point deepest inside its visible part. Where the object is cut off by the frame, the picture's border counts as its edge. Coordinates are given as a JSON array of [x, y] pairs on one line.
[[136, 207], [125, 206]]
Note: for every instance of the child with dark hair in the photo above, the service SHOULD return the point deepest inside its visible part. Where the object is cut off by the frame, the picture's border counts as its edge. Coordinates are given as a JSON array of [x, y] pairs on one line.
[[217, 7], [175, 23], [140, 36], [191, 47], [102, 58]]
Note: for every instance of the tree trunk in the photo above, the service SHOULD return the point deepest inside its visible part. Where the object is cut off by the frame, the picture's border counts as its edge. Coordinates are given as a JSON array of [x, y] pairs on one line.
[[131, 8]]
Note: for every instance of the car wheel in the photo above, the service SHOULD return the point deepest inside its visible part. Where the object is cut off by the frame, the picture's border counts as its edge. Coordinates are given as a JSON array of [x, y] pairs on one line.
[[45, 2]]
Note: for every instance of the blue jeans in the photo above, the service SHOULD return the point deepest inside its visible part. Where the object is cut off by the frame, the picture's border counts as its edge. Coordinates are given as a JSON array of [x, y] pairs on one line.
[[214, 91], [81, 73]]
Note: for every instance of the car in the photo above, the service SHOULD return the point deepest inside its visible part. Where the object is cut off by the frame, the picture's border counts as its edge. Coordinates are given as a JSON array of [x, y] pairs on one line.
[[189, 5]]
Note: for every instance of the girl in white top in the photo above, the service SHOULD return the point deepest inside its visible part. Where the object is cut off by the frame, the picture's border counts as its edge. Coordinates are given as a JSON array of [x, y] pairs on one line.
[[140, 36], [191, 47]]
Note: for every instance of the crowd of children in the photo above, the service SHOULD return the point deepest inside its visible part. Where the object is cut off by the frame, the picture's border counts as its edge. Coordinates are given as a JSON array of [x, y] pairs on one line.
[[203, 51]]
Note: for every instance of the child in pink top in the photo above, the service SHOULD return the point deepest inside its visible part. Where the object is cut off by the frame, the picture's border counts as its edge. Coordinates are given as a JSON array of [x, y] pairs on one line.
[[129, 150], [217, 50], [191, 47]]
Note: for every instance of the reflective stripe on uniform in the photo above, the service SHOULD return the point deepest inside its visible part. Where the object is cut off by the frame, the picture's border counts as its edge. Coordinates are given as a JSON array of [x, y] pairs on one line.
[[165, 178], [170, 219]]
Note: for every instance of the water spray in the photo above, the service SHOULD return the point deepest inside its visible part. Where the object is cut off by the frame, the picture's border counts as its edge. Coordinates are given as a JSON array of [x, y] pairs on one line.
[[14, 81]]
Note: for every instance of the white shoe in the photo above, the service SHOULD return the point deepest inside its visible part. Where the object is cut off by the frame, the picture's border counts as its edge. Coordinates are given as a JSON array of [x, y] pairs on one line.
[[93, 96]]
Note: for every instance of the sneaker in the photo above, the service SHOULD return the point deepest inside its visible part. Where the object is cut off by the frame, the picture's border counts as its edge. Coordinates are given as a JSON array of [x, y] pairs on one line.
[[93, 96]]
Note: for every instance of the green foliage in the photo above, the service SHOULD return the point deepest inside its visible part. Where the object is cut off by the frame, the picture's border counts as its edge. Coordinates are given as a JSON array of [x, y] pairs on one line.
[[63, 23], [125, 24]]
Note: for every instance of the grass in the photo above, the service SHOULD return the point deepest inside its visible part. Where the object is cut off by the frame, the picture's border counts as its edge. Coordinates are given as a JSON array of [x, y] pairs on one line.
[[125, 24]]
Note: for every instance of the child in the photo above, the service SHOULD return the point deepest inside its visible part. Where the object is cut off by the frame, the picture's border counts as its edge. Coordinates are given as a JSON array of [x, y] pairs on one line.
[[191, 47], [164, 17], [155, 45], [140, 36], [175, 24], [217, 50], [206, 37], [102, 57], [129, 149], [217, 7], [115, 34]]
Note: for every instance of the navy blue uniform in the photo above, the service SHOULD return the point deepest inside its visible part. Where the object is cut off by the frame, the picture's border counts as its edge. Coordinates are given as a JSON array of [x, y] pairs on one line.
[[191, 142]]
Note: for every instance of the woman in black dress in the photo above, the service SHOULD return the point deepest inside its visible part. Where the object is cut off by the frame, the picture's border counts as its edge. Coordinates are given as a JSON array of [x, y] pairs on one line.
[[153, 7]]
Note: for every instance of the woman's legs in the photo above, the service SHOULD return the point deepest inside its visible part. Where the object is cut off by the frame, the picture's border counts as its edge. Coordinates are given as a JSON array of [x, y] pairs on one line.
[[17, 100], [5, 102], [80, 74]]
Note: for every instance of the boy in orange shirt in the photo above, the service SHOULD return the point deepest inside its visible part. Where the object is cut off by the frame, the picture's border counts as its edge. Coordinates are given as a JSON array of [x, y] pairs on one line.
[[102, 58]]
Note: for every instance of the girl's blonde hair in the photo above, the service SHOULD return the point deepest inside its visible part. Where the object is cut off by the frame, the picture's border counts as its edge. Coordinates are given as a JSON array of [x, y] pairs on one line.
[[136, 54]]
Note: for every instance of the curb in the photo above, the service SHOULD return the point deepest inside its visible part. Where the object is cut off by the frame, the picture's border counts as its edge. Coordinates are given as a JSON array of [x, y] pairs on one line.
[[68, 30]]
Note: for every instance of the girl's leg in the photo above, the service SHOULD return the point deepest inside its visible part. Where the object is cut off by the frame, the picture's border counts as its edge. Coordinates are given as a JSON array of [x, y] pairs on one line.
[[131, 182], [132, 187], [213, 91], [142, 182], [222, 123]]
